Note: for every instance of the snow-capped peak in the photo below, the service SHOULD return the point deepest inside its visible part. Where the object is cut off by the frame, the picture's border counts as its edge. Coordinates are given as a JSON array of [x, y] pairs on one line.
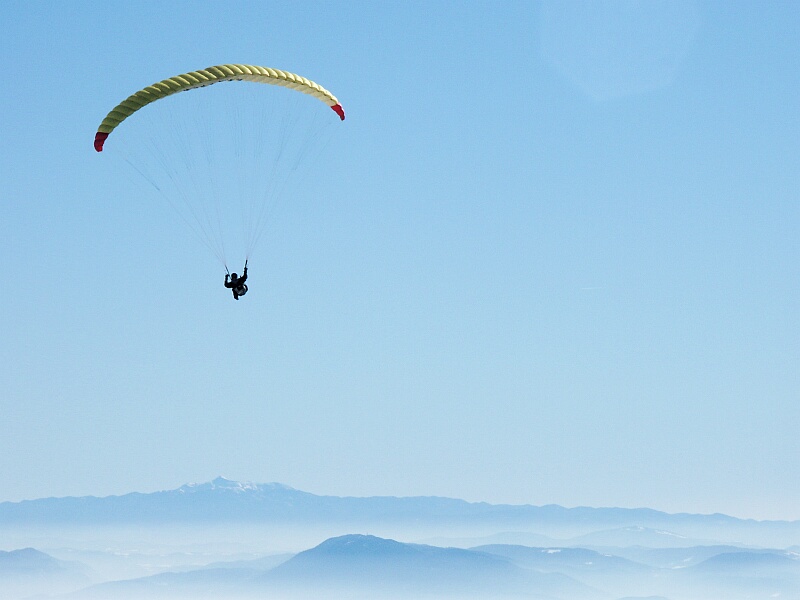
[[223, 484]]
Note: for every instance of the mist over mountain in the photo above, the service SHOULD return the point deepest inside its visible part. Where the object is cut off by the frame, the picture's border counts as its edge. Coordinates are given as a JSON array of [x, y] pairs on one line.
[[555, 559], [753, 563], [225, 501], [599, 570], [745, 575], [359, 566], [365, 566], [670, 558]]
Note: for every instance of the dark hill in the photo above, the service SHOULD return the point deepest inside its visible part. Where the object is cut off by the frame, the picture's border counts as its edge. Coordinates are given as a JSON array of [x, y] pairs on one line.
[[357, 566], [362, 564], [27, 572]]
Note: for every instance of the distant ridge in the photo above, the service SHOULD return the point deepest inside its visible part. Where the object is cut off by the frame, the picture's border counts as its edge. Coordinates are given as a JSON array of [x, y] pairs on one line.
[[224, 501]]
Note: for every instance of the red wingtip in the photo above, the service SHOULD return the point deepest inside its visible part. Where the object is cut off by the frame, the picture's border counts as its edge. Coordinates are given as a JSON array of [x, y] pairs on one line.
[[99, 140], [337, 108]]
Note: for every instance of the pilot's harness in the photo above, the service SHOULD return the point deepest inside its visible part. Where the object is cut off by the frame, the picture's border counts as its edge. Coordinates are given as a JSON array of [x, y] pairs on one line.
[[241, 289]]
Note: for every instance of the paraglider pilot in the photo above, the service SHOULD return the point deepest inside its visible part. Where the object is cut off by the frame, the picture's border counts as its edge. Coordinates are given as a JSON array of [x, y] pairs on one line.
[[236, 283]]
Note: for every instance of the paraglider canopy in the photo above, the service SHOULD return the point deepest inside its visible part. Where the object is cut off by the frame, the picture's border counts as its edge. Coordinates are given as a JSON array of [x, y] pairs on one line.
[[222, 158], [205, 77]]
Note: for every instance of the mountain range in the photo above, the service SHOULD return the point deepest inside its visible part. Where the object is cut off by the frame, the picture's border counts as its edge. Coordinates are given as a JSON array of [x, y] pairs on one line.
[[226, 501], [168, 545]]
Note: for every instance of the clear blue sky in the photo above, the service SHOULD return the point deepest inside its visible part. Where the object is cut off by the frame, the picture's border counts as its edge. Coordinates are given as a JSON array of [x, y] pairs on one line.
[[551, 257]]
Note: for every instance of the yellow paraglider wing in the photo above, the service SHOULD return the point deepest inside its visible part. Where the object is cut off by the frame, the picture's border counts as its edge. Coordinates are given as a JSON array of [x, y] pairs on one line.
[[209, 76]]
